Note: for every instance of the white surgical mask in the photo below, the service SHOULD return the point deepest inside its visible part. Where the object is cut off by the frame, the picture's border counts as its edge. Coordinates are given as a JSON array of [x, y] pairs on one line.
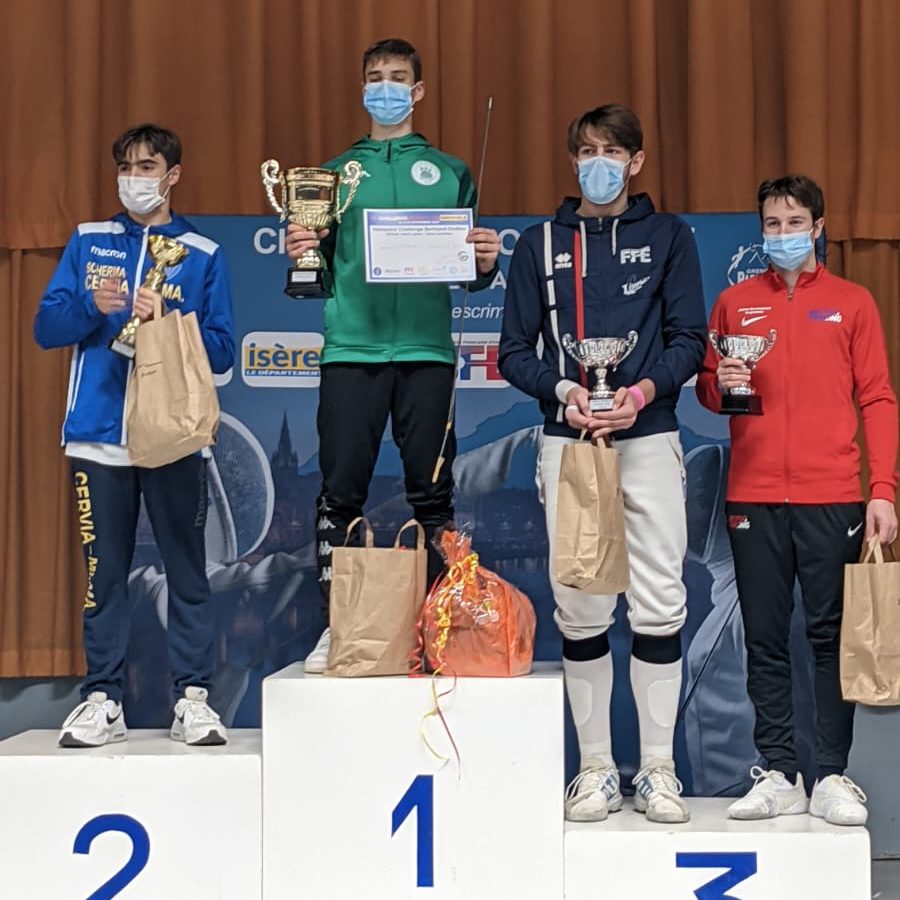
[[140, 194]]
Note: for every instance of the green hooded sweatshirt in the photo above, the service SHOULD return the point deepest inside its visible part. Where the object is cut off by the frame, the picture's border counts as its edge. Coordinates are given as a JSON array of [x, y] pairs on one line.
[[379, 323]]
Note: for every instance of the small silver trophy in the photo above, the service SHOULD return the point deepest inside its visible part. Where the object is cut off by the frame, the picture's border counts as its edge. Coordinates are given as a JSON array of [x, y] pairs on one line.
[[600, 354], [749, 349]]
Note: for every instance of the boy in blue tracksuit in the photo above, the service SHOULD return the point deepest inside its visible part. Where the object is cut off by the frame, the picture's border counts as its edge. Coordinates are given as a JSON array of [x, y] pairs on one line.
[[608, 264], [96, 288]]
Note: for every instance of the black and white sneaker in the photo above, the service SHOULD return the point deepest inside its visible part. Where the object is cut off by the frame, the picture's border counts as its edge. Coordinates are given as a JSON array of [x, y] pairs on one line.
[[96, 721], [195, 722]]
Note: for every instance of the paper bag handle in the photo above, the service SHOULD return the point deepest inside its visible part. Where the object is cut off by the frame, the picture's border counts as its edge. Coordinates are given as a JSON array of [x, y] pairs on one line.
[[874, 548], [420, 534], [370, 538], [606, 441]]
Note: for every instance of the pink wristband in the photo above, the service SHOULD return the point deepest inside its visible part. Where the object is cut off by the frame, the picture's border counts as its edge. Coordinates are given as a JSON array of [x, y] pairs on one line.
[[638, 395]]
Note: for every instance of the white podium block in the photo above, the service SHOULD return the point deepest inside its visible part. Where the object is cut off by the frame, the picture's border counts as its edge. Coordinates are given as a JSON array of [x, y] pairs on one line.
[[354, 804], [716, 858], [148, 818]]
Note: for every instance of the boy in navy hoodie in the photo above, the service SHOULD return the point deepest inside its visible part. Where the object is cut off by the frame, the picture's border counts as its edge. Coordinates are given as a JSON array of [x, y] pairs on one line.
[[96, 288], [607, 264]]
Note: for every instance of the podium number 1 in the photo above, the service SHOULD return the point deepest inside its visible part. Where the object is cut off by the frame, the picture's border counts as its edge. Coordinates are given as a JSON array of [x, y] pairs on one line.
[[140, 850], [419, 796]]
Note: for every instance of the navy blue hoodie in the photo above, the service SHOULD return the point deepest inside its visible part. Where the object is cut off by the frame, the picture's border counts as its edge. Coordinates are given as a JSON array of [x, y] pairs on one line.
[[640, 271]]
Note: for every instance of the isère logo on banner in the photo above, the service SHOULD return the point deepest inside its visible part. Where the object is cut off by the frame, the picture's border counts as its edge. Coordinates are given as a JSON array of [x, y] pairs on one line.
[[281, 359], [478, 361]]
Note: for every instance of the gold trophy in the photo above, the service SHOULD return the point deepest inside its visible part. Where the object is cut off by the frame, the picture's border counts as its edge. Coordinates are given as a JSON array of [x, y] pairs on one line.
[[311, 198], [165, 252]]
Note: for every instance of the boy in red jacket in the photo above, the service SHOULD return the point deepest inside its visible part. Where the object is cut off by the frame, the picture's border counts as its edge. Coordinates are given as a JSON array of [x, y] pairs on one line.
[[795, 508]]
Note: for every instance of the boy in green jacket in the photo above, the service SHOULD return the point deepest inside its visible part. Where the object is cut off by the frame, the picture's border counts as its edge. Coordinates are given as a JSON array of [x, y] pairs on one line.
[[388, 347]]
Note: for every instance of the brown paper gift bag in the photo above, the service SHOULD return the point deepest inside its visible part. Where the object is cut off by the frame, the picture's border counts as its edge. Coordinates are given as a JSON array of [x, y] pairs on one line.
[[172, 405], [376, 596], [870, 630], [590, 552]]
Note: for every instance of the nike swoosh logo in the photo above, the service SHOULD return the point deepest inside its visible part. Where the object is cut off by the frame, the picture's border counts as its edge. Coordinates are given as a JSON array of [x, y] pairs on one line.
[[113, 719], [852, 531], [749, 320]]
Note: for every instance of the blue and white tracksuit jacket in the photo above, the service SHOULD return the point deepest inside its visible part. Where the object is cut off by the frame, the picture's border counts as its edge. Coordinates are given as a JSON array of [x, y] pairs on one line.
[[116, 250]]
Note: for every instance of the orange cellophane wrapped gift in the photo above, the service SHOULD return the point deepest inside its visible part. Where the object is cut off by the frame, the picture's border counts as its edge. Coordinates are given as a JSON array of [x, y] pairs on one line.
[[473, 622]]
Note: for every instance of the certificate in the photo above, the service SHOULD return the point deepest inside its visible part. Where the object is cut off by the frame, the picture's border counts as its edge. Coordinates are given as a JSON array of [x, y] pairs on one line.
[[416, 245]]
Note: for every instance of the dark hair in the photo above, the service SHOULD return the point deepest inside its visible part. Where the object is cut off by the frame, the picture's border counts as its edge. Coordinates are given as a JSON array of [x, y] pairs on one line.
[[159, 140], [800, 188], [394, 47], [617, 122]]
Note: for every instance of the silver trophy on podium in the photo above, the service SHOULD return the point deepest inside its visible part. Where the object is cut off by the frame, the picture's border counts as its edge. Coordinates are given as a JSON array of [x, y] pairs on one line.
[[600, 354]]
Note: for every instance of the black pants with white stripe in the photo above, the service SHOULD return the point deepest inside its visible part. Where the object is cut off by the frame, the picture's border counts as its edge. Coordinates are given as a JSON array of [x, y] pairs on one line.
[[355, 401], [774, 545]]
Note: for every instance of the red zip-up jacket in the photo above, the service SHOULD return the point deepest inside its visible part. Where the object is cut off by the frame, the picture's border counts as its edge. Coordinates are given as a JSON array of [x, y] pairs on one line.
[[829, 349]]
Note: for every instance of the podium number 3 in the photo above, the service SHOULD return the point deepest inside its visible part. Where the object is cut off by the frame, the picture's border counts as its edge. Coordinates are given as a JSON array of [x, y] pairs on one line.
[[419, 796], [740, 867], [140, 851]]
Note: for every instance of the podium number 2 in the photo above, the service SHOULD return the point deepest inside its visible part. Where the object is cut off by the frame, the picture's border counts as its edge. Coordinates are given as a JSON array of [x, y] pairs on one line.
[[419, 796], [140, 850], [740, 867]]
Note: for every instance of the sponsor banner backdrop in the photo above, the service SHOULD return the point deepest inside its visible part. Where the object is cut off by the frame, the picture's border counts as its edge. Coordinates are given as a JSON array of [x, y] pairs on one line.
[[264, 481]]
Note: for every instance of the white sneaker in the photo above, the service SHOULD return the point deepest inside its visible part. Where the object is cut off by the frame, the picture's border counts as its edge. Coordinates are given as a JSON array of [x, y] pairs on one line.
[[593, 794], [771, 795], [195, 722], [317, 660], [657, 792], [94, 722], [838, 800]]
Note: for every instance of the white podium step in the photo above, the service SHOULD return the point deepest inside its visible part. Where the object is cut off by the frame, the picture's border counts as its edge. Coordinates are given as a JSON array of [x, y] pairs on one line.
[[354, 805], [148, 818], [716, 858]]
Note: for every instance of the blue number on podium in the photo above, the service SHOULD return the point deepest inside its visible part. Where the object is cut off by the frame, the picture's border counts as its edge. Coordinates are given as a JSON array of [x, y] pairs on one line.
[[740, 867], [420, 796], [140, 850]]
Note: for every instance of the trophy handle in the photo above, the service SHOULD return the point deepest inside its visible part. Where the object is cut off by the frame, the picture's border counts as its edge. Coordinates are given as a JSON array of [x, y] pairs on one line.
[[714, 340], [770, 342], [352, 175], [272, 175], [570, 345], [632, 343]]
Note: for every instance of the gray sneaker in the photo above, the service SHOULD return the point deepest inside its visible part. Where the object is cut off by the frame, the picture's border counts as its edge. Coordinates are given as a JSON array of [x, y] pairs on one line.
[[593, 794], [657, 793]]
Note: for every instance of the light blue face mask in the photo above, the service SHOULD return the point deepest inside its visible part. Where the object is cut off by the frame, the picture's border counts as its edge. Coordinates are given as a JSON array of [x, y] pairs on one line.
[[601, 179], [788, 251], [388, 102]]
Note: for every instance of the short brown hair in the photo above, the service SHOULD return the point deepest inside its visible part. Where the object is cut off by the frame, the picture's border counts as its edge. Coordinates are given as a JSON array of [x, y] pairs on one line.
[[618, 122], [394, 47], [800, 188]]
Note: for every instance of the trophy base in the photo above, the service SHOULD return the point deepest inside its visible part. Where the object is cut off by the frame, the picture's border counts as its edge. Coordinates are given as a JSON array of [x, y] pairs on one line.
[[305, 284], [600, 404], [123, 349], [741, 405]]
